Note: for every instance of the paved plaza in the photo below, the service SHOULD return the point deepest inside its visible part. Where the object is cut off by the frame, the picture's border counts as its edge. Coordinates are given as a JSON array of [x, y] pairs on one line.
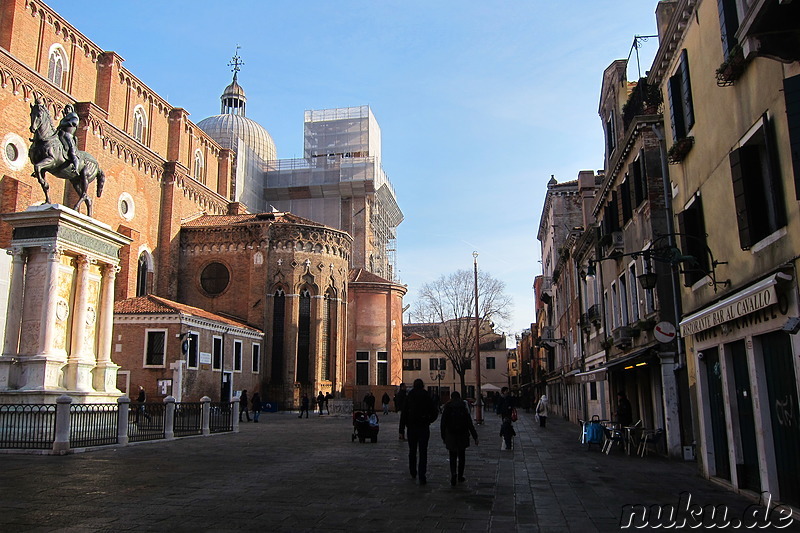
[[286, 474]]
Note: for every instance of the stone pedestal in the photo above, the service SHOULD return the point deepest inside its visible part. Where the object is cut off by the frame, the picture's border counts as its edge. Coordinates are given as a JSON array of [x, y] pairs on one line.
[[61, 312]]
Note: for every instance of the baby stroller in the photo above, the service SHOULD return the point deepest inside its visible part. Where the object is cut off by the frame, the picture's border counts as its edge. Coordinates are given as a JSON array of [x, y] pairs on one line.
[[365, 427]]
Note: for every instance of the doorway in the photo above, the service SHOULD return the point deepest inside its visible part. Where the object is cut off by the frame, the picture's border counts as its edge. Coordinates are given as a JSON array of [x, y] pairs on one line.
[[716, 406], [747, 470]]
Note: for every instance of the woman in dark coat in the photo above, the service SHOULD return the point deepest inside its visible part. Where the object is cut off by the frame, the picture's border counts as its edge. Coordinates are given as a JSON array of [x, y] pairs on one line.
[[456, 429]]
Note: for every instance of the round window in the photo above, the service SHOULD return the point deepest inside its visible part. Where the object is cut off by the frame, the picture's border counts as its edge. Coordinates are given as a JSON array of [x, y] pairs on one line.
[[126, 207], [215, 278], [12, 152]]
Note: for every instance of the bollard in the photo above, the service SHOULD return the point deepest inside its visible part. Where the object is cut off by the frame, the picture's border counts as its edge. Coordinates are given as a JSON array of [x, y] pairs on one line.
[[206, 415], [235, 414], [169, 418], [123, 410], [63, 425]]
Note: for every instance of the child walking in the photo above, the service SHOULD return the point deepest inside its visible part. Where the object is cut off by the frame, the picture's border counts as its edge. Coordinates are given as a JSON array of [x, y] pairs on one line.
[[507, 432]]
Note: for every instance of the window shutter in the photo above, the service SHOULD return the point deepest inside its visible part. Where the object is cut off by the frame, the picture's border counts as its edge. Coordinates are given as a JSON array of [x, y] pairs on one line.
[[728, 23], [740, 199], [774, 182], [675, 108], [625, 193], [686, 93], [791, 92]]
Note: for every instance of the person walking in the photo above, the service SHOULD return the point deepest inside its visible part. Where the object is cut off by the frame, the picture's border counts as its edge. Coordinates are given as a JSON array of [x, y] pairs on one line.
[[541, 410], [140, 409], [243, 406], [320, 402], [328, 396], [399, 403], [256, 401], [507, 432], [304, 406], [369, 401], [385, 401], [418, 414], [456, 427]]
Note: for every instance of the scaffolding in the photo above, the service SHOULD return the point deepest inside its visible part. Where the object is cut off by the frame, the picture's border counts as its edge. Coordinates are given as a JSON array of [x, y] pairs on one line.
[[340, 183]]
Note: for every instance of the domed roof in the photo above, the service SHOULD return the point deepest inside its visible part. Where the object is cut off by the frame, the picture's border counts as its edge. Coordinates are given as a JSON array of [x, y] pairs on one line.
[[227, 128], [234, 89]]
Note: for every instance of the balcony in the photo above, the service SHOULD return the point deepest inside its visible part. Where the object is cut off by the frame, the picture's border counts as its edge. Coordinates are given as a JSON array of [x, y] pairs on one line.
[[644, 100]]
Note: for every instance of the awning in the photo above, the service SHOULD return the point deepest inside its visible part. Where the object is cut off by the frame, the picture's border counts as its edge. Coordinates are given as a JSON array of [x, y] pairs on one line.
[[597, 374], [744, 302], [629, 359]]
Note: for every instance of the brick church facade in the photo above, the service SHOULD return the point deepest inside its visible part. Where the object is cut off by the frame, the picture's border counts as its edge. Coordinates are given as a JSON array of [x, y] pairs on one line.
[[210, 298]]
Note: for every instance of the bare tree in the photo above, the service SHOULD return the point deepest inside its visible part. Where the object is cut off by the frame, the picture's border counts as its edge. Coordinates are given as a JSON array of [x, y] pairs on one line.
[[449, 302]]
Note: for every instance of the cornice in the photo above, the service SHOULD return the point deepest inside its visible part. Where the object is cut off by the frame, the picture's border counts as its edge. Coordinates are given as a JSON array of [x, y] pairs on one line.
[[671, 40]]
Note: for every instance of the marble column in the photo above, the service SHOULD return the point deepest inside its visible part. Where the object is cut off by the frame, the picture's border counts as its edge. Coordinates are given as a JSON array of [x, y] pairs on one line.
[[80, 364], [8, 360], [105, 372]]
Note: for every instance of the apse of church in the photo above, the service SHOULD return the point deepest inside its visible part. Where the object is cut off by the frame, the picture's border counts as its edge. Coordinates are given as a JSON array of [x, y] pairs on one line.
[[281, 272]]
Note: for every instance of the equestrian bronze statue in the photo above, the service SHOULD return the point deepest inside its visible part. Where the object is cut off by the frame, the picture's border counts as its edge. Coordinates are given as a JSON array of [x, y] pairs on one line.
[[54, 150]]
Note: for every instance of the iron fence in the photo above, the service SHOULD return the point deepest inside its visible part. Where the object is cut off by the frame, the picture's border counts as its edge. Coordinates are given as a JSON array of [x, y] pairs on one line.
[[221, 417], [188, 419], [146, 422], [27, 426], [93, 424]]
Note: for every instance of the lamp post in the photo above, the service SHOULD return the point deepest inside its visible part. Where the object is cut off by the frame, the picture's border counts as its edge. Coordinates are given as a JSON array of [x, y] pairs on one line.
[[438, 376], [478, 406]]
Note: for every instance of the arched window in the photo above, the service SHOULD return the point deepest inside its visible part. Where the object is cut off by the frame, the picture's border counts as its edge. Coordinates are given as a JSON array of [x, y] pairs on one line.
[[328, 333], [139, 124], [278, 315], [199, 167], [57, 65], [304, 337], [142, 272]]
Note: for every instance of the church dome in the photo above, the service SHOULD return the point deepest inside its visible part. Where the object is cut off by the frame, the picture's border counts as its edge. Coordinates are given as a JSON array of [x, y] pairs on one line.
[[227, 129]]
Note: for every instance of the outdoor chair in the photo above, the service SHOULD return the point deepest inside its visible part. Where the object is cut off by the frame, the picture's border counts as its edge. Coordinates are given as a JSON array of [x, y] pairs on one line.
[[653, 437], [612, 436]]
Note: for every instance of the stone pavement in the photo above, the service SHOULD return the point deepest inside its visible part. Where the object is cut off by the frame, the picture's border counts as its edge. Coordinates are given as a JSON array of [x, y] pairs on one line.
[[285, 474]]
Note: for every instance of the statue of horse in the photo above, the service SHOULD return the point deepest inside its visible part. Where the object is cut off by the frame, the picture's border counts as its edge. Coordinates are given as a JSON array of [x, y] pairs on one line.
[[48, 154]]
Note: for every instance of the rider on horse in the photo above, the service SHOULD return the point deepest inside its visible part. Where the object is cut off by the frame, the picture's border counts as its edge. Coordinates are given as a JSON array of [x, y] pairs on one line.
[[66, 133]]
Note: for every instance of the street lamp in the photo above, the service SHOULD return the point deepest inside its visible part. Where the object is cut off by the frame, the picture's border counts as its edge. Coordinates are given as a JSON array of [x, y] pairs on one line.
[[438, 376], [478, 408]]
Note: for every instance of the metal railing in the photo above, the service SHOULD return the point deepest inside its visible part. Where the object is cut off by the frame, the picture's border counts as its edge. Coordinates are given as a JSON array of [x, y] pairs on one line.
[[221, 418], [188, 419], [27, 426], [146, 422], [63, 427], [93, 424]]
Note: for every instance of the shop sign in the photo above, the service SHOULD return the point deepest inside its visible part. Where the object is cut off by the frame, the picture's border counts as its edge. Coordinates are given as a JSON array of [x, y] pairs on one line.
[[733, 310]]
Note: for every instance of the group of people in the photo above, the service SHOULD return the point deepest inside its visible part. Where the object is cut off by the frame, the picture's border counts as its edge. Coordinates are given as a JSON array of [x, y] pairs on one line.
[[245, 404], [321, 403]]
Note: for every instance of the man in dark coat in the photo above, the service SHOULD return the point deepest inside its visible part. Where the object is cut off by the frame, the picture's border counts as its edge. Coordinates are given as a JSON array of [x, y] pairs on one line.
[[456, 429], [243, 406], [418, 414]]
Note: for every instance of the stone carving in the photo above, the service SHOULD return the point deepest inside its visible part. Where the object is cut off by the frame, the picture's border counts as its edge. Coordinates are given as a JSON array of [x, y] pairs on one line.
[[54, 151]]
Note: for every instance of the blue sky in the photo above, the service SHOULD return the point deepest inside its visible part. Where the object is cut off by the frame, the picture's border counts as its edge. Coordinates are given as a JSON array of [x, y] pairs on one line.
[[479, 103]]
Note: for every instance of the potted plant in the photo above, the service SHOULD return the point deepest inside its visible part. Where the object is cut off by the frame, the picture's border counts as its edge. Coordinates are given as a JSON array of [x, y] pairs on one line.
[[732, 68], [679, 149]]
